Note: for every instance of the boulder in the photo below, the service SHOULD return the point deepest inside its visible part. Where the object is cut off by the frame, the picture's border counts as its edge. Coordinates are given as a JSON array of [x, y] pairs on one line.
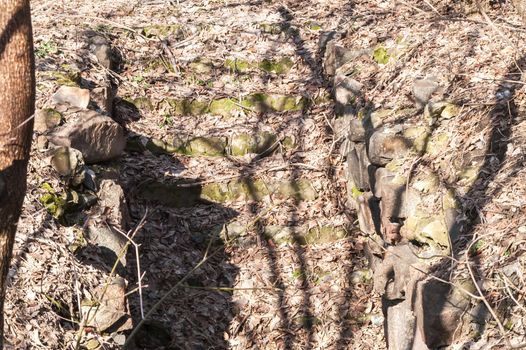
[[73, 96], [46, 119], [105, 235], [346, 90], [108, 307], [100, 47], [423, 89], [368, 215], [102, 99], [439, 309], [386, 145], [98, 137], [396, 201], [359, 167]]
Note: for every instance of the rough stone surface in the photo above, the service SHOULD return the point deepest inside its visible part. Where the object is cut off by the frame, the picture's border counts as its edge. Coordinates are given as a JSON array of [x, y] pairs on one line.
[[346, 90], [101, 48], [46, 119], [367, 215], [395, 202], [98, 137], [439, 309], [109, 307], [386, 145], [361, 170], [102, 98], [422, 91], [73, 96], [67, 161]]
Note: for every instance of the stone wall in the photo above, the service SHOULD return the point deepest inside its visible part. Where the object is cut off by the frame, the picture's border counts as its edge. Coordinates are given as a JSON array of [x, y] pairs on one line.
[[408, 213]]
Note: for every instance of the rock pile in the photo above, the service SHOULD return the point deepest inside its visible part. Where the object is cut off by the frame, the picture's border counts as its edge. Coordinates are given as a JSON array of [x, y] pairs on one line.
[[408, 214]]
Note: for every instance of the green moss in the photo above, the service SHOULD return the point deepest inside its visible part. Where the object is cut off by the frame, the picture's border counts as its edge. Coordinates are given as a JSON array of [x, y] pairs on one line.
[[224, 107], [65, 78], [215, 192], [281, 66], [206, 146], [356, 193], [143, 103], [313, 26], [53, 202], [162, 30], [437, 143], [237, 65], [324, 234], [188, 106], [271, 28], [380, 55]]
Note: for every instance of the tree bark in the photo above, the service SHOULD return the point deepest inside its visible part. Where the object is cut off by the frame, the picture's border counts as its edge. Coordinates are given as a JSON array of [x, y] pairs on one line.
[[17, 105]]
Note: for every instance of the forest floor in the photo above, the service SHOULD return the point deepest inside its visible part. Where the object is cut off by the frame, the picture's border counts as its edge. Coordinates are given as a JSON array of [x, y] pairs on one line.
[[255, 290]]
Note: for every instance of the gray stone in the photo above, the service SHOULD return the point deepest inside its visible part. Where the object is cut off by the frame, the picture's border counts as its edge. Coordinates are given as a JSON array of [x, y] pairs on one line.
[[107, 307], [346, 90], [439, 308], [422, 91], [101, 48], [359, 167], [366, 215], [46, 119], [336, 55], [112, 202], [113, 207], [395, 201], [102, 97], [400, 326], [73, 96], [386, 145], [98, 137], [67, 161]]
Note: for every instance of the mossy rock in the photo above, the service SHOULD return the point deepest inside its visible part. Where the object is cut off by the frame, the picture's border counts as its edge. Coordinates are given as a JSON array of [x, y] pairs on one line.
[[206, 146], [65, 78], [256, 190], [163, 30], [426, 228], [215, 192], [323, 234], [157, 146], [225, 107], [300, 190], [277, 103], [281, 66], [171, 195], [238, 65], [468, 175], [242, 144], [426, 183], [437, 143], [314, 26], [142, 103], [301, 235], [46, 119], [419, 136], [188, 106], [271, 28], [202, 66]]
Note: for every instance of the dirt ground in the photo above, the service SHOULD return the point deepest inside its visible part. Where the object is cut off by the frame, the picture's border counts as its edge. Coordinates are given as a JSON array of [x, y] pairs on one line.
[[259, 292]]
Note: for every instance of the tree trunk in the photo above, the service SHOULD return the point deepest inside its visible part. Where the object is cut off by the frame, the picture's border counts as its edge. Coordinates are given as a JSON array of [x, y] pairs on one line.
[[17, 104]]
